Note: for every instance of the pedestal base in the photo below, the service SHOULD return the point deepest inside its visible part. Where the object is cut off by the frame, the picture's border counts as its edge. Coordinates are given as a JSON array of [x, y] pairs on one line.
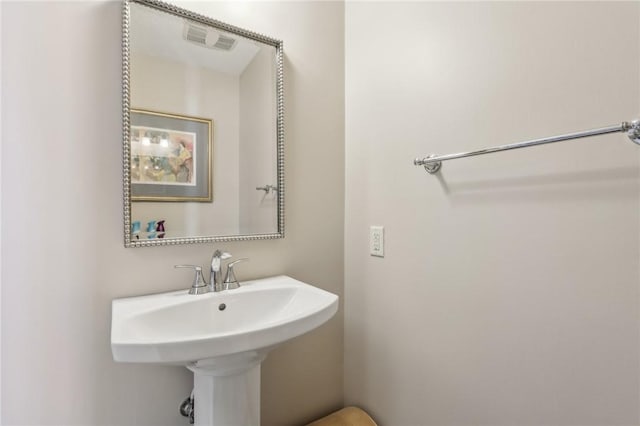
[[226, 390]]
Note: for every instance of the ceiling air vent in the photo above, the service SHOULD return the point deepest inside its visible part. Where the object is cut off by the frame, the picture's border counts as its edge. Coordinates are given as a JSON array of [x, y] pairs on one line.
[[225, 42], [207, 37], [195, 34]]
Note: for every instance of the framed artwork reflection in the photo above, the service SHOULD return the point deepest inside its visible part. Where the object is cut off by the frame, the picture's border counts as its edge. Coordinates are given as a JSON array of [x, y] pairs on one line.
[[171, 157]]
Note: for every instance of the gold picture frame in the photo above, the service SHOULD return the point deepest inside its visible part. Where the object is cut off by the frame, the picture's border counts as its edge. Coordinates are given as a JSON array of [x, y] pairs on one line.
[[171, 157]]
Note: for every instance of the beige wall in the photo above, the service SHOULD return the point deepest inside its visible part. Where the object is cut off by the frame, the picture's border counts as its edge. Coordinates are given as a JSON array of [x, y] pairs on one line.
[[509, 290], [62, 245]]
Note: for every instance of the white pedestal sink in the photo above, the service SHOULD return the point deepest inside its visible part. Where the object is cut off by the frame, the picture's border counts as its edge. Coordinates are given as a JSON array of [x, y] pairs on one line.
[[222, 337]]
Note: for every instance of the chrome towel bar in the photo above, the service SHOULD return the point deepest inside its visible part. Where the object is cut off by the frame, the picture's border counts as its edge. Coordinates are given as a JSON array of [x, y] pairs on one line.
[[433, 163]]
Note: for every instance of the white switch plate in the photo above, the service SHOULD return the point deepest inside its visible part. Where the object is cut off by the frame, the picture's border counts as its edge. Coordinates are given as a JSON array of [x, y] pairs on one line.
[[376, 241]]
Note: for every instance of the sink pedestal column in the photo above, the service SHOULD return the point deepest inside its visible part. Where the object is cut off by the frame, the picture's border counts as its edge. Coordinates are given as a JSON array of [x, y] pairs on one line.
[[226, 390]]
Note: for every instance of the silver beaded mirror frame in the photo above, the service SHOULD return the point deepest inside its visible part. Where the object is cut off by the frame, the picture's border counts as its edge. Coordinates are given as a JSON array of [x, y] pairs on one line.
[[132, 236]]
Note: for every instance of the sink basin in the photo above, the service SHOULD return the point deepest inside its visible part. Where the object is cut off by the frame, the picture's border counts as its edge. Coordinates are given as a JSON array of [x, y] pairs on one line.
[[221, 337], [179, 328]]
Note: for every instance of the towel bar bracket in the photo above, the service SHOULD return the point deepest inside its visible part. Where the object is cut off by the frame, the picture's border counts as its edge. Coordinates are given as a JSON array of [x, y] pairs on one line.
[[633, 130], [429, 167]]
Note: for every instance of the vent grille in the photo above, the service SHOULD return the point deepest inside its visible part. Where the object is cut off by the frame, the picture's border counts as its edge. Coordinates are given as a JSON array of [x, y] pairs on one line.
[[196, 34], [225, 43], [207, 37]]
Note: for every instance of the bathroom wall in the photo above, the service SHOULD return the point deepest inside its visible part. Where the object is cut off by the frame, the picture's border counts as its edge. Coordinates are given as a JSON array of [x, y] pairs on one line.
[[508, 294], [62, 243]]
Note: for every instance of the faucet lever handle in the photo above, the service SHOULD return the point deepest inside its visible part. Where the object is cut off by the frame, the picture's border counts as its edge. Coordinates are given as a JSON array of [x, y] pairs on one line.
[[237, 261], [199, 285], [230, 280]]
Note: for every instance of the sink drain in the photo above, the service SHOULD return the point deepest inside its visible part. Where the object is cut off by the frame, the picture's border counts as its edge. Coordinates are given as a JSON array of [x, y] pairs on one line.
[[222, 307]]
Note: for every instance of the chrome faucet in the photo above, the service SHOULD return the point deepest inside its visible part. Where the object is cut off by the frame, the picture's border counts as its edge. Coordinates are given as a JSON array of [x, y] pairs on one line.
[[216, 267], [200, 286]]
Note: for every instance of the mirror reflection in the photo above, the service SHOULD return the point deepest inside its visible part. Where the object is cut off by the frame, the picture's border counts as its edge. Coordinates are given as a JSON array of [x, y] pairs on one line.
[[204, 130]]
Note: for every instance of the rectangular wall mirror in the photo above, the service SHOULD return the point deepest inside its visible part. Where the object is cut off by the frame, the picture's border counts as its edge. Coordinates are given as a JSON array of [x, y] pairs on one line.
[[203, 130]]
